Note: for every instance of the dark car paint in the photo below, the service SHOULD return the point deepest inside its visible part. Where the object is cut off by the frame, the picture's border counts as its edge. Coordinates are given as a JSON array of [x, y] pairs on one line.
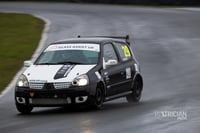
[[113, 78]]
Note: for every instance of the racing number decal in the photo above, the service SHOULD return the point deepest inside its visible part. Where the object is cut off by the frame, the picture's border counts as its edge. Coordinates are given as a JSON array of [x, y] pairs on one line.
[[126, 51]]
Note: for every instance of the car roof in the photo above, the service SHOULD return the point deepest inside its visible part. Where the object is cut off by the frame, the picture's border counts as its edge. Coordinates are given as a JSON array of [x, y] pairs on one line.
[[98, 40]]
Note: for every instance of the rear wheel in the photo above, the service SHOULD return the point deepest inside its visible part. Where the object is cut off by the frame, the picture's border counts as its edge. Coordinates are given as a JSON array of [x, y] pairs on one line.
[[24, 109], [136, 94]]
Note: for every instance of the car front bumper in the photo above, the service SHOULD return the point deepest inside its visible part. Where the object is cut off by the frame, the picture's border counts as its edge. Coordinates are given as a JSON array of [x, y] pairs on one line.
[[52, 97]]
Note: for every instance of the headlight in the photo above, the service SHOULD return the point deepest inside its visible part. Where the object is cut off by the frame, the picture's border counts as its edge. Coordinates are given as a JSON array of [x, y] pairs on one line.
[[22, 81], [81, 80]]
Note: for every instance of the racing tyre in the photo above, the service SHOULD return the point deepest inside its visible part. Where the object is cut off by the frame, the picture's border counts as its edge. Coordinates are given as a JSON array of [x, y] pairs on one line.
[[98, 99], [136, 94], [24, 109]]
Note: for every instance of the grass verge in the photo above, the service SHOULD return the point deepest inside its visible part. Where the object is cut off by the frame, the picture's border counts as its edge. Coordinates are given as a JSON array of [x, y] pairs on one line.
[[19, 37]]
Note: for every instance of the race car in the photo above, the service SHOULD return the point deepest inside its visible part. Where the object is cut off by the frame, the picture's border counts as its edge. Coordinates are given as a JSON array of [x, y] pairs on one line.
[[87, 70]]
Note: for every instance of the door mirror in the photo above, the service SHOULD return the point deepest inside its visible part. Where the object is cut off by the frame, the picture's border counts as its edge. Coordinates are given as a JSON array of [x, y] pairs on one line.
[[111, 63], [27, 63]]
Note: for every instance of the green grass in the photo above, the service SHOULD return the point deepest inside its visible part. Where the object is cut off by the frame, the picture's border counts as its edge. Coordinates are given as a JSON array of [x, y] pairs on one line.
[[19, 37]]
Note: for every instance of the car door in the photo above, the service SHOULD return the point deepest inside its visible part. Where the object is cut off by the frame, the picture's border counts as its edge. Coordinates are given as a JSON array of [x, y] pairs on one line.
[[125, 58], [112, 70]]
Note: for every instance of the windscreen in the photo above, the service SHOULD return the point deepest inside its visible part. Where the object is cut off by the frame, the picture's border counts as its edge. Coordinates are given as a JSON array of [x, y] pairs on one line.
[[69, 54]]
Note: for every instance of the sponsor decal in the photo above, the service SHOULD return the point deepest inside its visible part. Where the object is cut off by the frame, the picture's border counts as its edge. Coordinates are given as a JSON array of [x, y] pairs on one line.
[[128, 73], [63, 71], [90, 47], [106, 77]]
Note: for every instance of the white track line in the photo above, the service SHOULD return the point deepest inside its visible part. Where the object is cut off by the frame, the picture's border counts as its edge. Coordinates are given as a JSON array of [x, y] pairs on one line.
[[36, 53], [190, 9]]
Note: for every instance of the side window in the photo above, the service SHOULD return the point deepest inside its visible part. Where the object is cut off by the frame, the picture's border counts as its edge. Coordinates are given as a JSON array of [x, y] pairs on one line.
[[124, 51], [109, 55]]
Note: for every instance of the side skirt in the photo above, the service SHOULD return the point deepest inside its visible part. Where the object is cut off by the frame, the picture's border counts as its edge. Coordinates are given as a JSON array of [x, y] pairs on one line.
[[117, 96]]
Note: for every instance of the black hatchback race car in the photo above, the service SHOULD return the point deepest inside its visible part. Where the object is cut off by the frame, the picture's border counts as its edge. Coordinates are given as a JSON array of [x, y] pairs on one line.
[[84, 70]]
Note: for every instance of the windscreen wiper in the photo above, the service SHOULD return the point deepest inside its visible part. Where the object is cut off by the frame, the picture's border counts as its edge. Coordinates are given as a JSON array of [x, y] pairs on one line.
[[69, 62]]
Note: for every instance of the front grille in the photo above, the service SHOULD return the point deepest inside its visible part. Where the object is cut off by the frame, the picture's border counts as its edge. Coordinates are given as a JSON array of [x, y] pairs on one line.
[[61, 85], [36, 85], [56, 85]]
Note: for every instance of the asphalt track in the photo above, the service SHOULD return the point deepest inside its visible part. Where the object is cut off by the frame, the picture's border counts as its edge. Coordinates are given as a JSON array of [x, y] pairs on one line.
[[167, 45]]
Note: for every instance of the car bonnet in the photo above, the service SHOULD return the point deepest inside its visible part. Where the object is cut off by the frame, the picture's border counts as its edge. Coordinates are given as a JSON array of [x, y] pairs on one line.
[[55, 73]]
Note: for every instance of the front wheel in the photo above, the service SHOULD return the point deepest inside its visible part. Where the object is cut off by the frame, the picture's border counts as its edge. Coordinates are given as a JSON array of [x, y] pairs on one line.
[[24, 109], [136, 94], [98, 99]]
